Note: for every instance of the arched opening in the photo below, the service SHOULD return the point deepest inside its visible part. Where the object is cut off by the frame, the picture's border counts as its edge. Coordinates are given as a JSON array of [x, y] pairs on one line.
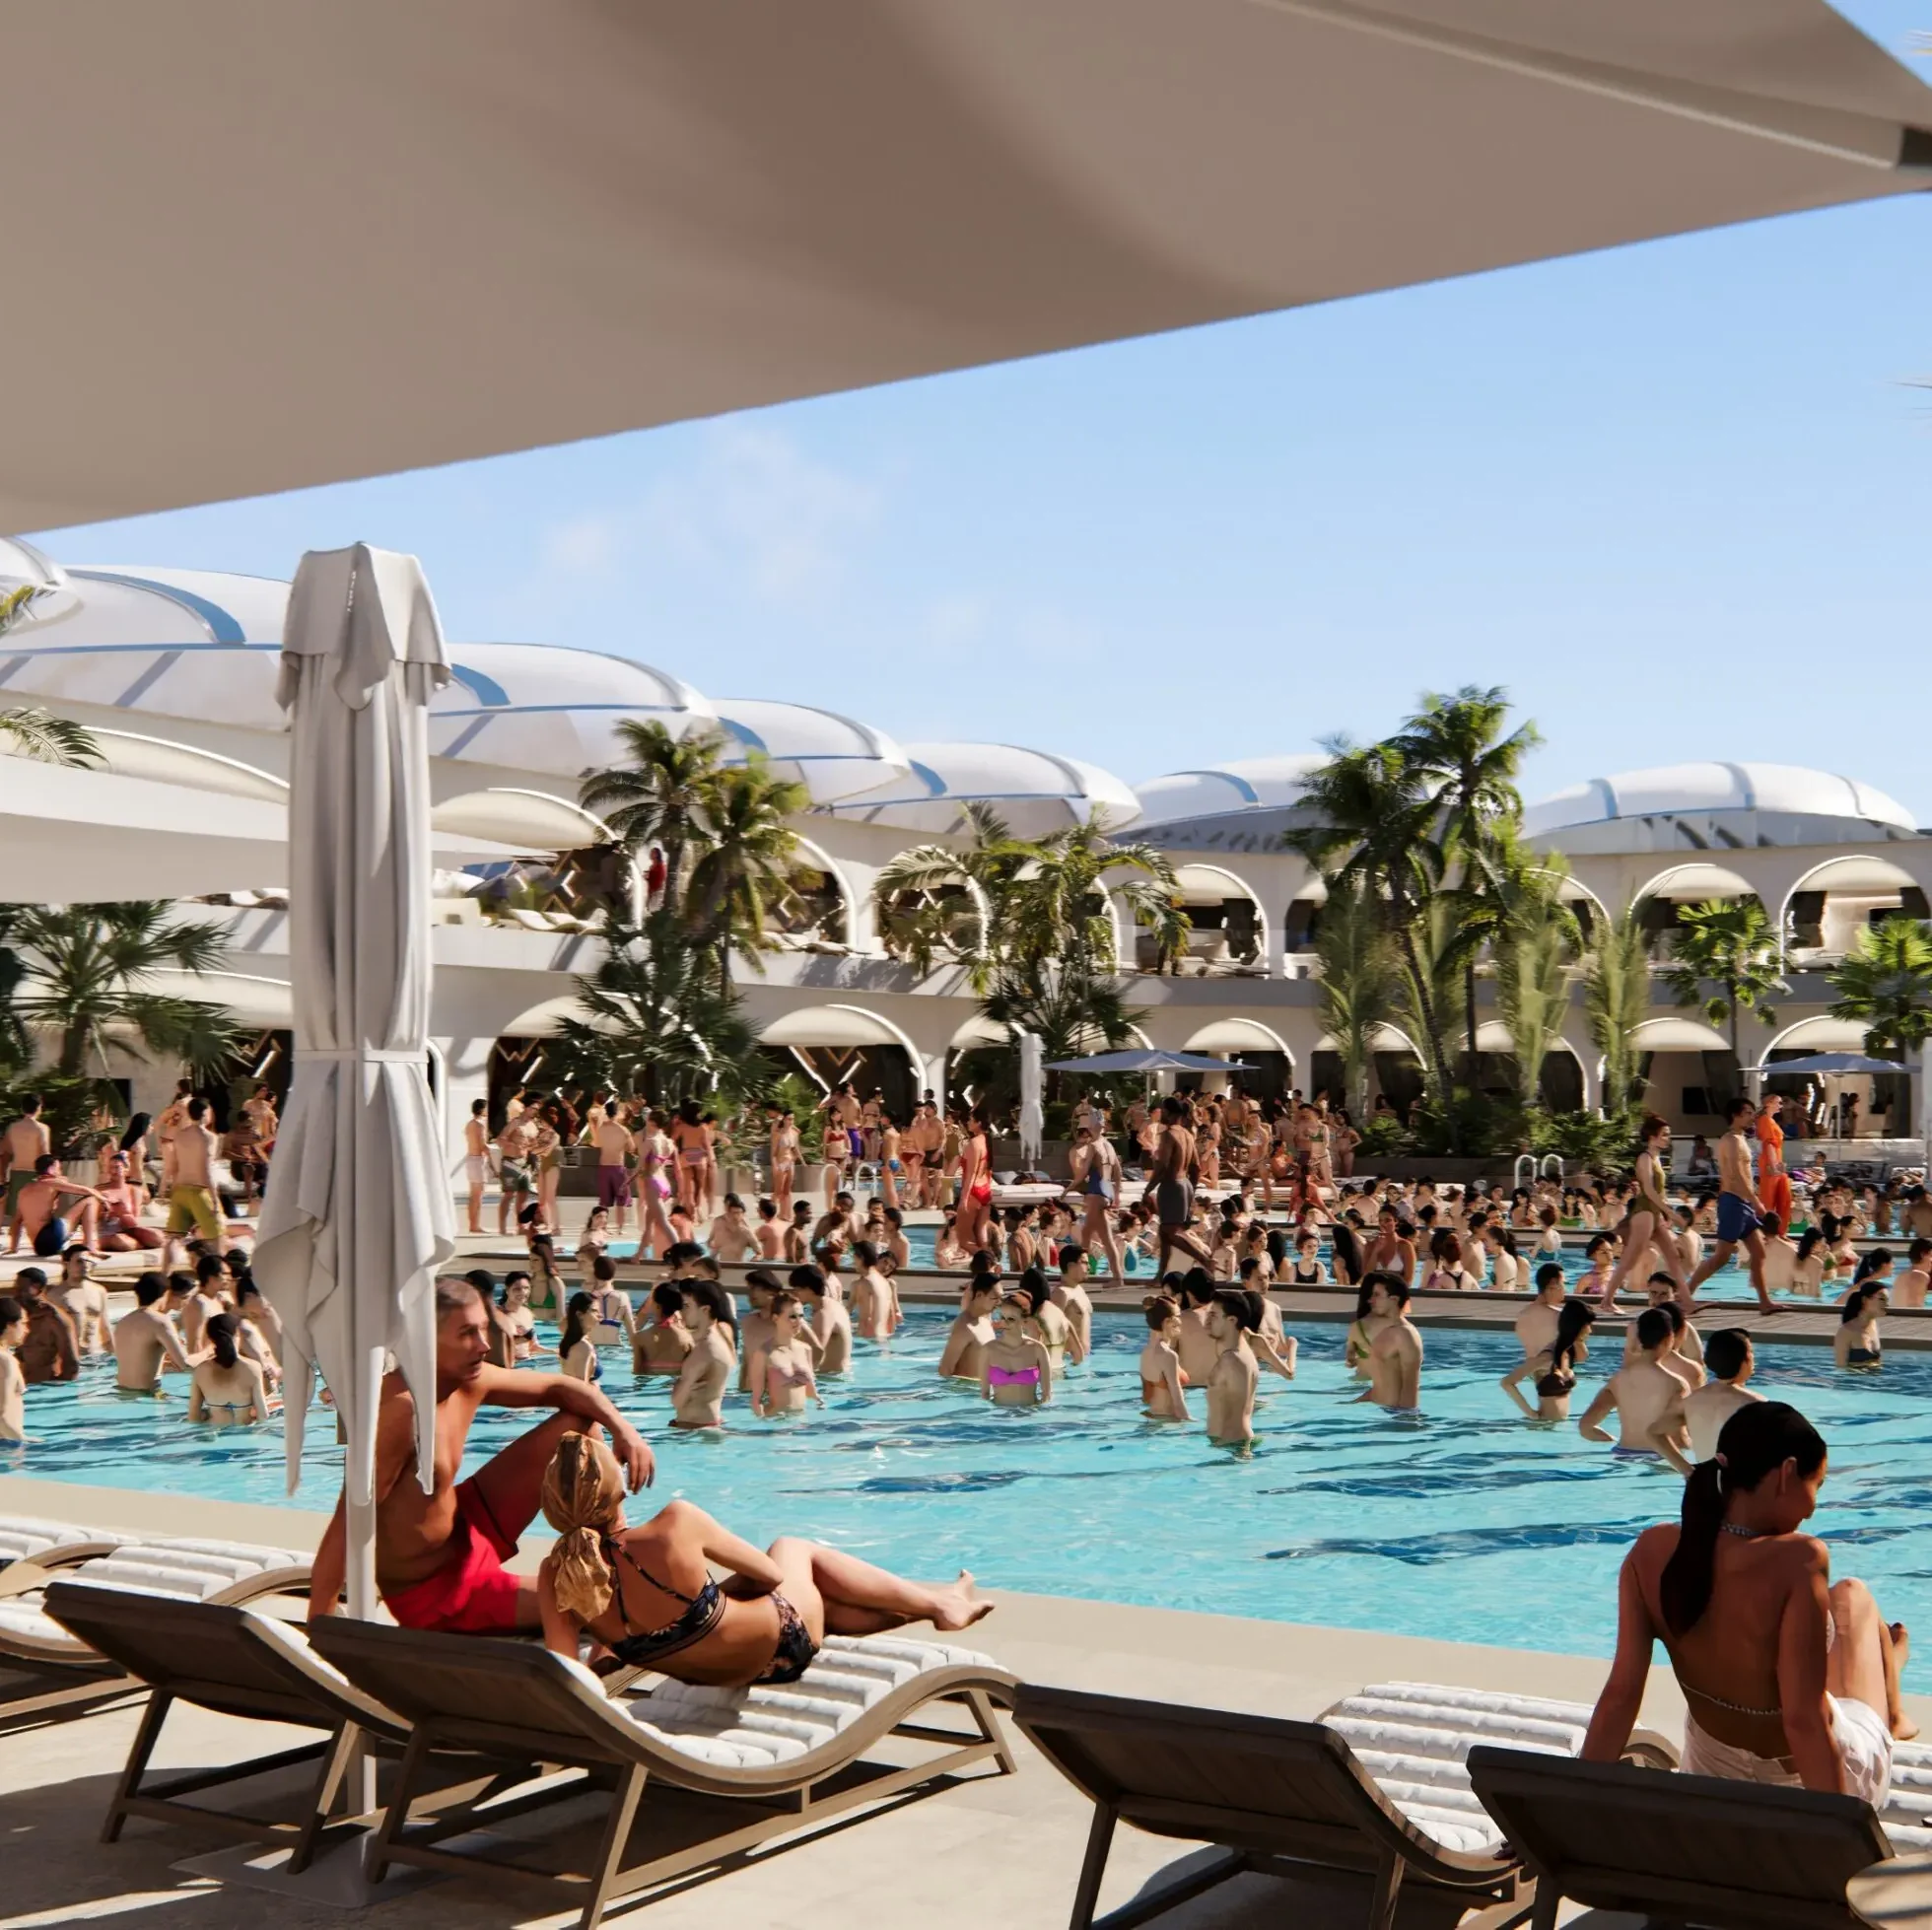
[[1303, 923], [1245, 1042], [834, 1045], [1690, 1072], [1669, 892], [1872, 1105], [815, 908], [1229, 935], [1833, 902], [1395, 1072]]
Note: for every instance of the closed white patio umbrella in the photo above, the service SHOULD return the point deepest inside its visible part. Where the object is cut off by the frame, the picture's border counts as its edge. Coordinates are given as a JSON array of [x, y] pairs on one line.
[[1032, 1113], [358, 1218]]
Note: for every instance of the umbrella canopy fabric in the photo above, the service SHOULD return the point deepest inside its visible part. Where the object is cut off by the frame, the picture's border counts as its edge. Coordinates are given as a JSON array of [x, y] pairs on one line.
[[1142, 1059], [358, 1215], [1836, 1063], [721, 206], [1032, 1112]]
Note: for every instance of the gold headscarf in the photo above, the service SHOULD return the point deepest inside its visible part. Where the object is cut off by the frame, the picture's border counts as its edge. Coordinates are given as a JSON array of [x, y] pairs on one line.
[[583, 1499]]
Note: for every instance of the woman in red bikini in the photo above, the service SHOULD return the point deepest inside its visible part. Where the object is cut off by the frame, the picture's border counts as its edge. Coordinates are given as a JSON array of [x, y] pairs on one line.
[[974, 1183]]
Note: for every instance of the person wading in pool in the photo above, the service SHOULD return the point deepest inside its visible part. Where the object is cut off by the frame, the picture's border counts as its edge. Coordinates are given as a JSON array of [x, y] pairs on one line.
[[1173, 1184], [1737, 1208], [439, 1557], [1395, 1355], [1646, 1396]]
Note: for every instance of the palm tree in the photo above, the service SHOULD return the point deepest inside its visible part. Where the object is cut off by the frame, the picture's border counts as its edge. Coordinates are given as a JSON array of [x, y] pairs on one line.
[[35, 732], [1532, 952], [1456, 749], [1374, 831], [749, 854], [1728, 944], [1072, 1011], [1055, 905], [1359, 985], [953, 890], [1616, 999], [1886, 984], [85, 972], [657, 1021], [664, 794]]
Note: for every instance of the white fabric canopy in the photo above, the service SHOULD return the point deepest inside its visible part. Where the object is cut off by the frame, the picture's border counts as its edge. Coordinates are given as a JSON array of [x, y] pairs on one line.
[[358, 1215]]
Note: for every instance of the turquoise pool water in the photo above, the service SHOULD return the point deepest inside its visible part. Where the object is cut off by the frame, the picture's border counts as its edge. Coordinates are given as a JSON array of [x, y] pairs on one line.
[[1466, 1522]]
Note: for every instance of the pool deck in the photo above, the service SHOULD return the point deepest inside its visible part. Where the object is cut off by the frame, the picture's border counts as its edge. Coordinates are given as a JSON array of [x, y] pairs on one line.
[[1002, 1851]]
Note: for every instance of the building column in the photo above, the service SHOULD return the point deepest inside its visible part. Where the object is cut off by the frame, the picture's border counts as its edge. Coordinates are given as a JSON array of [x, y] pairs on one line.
[[464, 1072], [933, 1074]]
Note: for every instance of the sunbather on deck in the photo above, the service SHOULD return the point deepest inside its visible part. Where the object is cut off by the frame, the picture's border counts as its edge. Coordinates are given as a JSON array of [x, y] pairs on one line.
[[439, 1557], [1789, 1680], [648, 1594]]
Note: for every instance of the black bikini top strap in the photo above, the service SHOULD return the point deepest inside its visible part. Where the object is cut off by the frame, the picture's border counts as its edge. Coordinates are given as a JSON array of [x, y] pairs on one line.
[[644, 1574]]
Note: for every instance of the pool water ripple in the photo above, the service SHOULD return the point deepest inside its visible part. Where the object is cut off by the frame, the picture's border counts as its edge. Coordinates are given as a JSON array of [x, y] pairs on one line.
[[1467, 1524]]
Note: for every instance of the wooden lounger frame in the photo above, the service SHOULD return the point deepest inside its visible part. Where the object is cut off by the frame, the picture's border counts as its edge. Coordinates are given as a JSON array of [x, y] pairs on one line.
[[1731, 1855], [518, 1705], [1284, 1798], [220, 1657]]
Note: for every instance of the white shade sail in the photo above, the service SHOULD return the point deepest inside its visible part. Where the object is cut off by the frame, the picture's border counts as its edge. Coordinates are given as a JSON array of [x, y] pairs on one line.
[[1878, 876], [358, 1215], [1255, 785], [834, 757], [1689, 884], [1034, 791], [1384, 1038], [698, 209], [1820, 1034]]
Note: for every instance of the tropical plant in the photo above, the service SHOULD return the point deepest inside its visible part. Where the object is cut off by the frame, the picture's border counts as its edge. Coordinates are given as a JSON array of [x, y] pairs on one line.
[[935, 897], [657, 1021], [750, 851], [662, 794], [1724, 957], [1455, 749], [35, 732], [1373, 831], [1534, 949], [1885, 984], [1073, 1011], [1616, 1001], [84, 972], [1361, 974], [1426, 991]]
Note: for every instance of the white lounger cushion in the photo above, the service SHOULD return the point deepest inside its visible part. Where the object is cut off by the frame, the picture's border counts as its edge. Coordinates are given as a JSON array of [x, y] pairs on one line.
[[1414, 1740], [22, 1537], [195, 1568], [1907, 1812], [755, 1727]]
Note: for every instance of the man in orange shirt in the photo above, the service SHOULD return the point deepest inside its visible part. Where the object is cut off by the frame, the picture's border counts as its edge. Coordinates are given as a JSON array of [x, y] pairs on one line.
[[1773, 1182]]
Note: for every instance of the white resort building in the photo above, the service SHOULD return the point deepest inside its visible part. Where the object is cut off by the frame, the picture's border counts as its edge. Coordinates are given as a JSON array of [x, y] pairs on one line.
[[175, 673]]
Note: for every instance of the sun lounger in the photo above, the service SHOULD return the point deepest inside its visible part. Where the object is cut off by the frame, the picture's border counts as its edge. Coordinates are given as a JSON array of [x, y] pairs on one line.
[[62, 1675], [1375, 1794], [240, 1663], [1692, 1849], [729, 1768]]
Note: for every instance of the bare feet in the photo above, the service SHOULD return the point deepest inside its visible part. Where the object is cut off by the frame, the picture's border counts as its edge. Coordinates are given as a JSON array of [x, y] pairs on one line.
[[1903, 1728], [956, 1607]]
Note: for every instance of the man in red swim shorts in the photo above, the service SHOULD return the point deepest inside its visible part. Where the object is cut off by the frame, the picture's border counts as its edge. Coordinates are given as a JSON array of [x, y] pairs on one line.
[[439, 1557]]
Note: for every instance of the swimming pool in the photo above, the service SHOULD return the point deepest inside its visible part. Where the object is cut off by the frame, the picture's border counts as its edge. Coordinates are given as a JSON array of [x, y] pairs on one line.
[[1465, 1522]]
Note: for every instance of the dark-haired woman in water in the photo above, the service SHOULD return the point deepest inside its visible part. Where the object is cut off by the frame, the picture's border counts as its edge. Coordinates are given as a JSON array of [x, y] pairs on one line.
[[1788, 1680], [1556, 1369]]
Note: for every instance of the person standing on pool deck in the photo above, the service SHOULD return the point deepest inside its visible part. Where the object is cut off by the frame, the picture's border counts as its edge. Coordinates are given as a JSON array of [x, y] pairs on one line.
[[1643, 1393], [1395, 1354], [25, 1141], [439, 1557], [616, 1148], [1650, 1224], [476, 1158], [1173, 1185], [1737, 1209], [1773, 1182]]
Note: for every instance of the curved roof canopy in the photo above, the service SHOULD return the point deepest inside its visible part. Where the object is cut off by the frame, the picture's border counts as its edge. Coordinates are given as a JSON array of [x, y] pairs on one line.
[[1820, 1034], [1677, 788], [1034, 790], [832, 756], [1677, 1035], [1237, 1035], [696, 209], [1257, 783], [829, 1025]]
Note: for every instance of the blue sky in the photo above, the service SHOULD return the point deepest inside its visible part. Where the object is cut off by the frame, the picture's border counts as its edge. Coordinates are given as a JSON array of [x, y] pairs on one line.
[[1677, 498]]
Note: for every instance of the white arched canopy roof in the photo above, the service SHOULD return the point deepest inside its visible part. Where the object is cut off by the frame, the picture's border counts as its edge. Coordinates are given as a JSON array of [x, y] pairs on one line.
[[979, 1030], [832, 756], [1820, 1034], [1211, 883], [1679, 788], [1493, 1035], [837, 1026], [1384, 1038], [135, 754], [1675, 1034], [1689, 884], [1257, 783], [1229, 1035], [514, 817], [1034, 791], [1861, 874]]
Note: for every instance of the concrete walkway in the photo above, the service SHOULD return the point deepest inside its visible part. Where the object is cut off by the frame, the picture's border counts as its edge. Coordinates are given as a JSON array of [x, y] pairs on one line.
[[1002, 1851]]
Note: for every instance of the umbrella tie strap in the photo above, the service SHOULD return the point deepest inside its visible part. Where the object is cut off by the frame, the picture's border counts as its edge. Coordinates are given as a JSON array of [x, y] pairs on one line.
[[370, 1055]]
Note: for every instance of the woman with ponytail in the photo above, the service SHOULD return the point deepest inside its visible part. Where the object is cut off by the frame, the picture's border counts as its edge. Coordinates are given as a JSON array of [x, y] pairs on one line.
[[229, 1389], [648, 1595], [1788, 1680], [1855, 1344]]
